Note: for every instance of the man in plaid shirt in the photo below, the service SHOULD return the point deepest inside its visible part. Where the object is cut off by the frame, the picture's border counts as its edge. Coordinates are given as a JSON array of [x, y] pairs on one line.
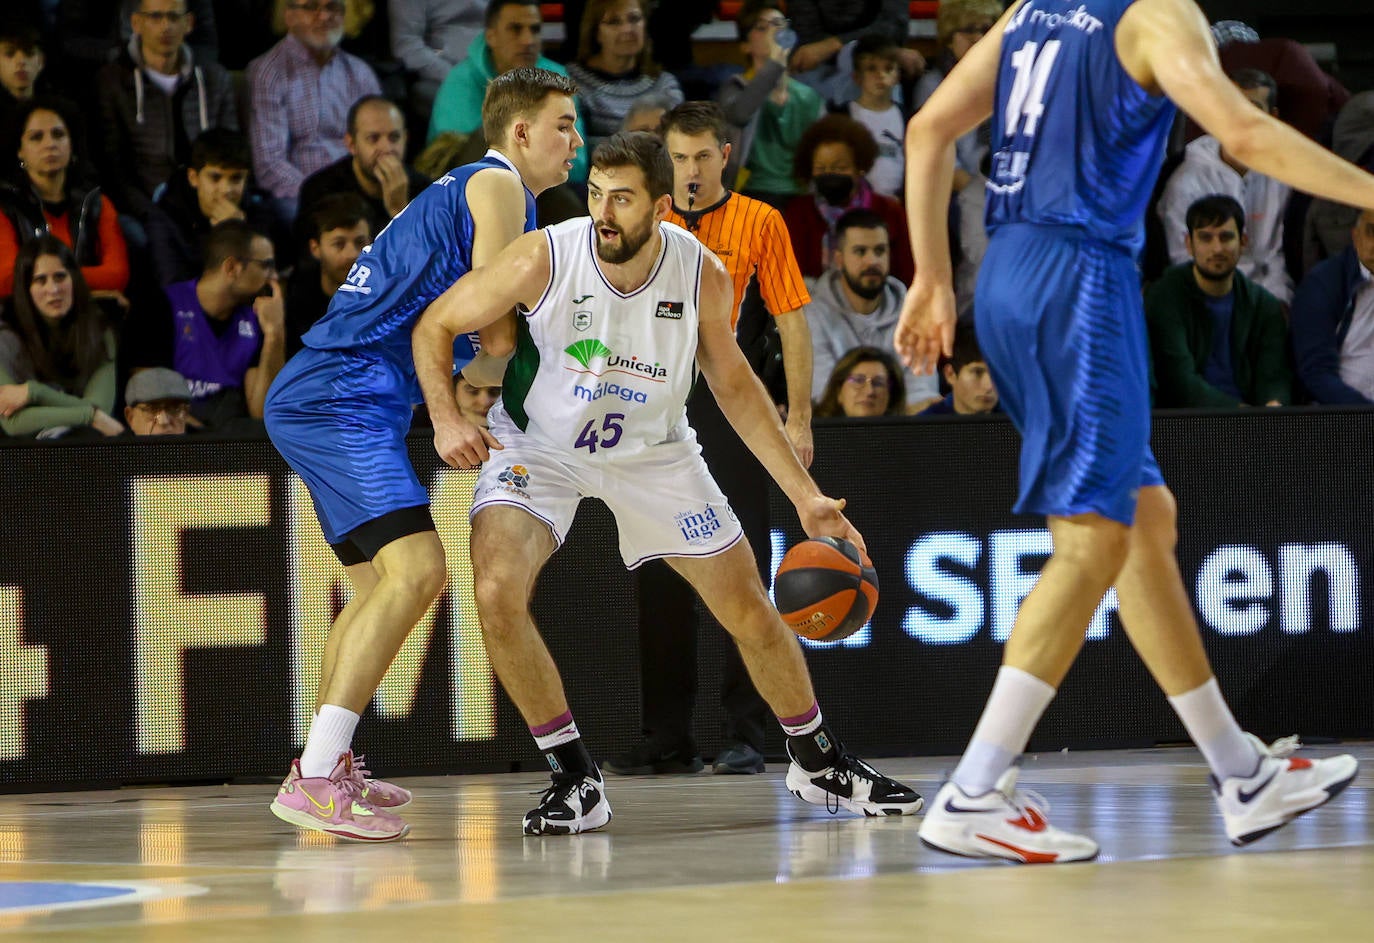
[[301, 90]]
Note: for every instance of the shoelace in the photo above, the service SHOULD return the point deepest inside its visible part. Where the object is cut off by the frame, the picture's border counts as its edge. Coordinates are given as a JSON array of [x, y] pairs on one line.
[[1023, 799], [1284, 746]]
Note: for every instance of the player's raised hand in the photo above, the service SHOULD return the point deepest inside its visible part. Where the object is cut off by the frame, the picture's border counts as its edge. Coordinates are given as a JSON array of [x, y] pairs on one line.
[[823, 517], [463, 444], [926, 328]]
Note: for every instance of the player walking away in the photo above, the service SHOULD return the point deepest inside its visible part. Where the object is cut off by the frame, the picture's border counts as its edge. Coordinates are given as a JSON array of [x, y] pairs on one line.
[[1078, 130], [622, 309], [340, 410]]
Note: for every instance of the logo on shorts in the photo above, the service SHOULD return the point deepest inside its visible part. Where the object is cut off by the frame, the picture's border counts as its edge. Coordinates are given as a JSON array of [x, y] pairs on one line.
[[515, 479], [582, 320], [672, 310], [698, 527]]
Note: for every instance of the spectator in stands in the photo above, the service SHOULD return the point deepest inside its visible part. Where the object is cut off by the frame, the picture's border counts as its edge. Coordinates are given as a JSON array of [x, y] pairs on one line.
[[1327, 226], [224, 331], [340, 228], [965, 372], [866, 382], [21, 66], [1216, 337], [1308, 96], [970, 204], [157, 401], [51, 193], [213, 188], [1207, 169], [856, 303], [832, 158], [767, 108], [374, 169], [824, 27], [474, 402], [155, 99], [646, 113], [615, 65], [877, 68], [430, 37], [958, 25], [57, 354], [1333, 322], [509, 41], [301, 90]]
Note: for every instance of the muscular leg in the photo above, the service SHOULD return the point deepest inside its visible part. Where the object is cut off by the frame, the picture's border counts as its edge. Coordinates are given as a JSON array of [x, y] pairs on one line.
[[1154, 605], [1089, 551], [364, 579], [410, 573], [729, 584], [509, 548]]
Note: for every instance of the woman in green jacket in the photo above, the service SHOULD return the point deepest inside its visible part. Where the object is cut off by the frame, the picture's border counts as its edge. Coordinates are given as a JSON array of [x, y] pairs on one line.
[[57, 355]]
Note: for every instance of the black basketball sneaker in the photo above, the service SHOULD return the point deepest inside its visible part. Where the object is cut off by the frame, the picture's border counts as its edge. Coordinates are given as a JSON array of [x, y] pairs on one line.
[[850, 783], [573, 803]]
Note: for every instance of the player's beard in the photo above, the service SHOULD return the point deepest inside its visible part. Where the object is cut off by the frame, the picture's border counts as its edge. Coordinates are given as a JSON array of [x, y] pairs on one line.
[[629, 245]]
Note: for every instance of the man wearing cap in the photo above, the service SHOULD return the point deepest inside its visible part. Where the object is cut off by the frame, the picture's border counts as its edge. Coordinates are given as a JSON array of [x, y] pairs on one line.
[[157, 402]]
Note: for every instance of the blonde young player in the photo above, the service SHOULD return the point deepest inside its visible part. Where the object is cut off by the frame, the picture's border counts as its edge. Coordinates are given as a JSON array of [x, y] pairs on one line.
[[620, 311]]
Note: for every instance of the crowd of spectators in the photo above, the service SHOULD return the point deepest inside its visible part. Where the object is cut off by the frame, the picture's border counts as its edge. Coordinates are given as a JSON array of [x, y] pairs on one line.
[[184, 184]]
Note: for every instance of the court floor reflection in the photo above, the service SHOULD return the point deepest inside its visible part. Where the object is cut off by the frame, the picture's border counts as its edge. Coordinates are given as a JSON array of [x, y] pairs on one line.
[[684, 856]]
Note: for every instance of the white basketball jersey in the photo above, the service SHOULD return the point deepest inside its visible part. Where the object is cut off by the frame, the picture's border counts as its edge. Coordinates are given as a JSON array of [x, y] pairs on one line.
[[598, 373]]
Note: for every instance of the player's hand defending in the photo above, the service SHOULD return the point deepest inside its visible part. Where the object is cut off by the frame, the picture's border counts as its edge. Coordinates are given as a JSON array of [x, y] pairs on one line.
[[926, 328], [463, 444], [821, 517]]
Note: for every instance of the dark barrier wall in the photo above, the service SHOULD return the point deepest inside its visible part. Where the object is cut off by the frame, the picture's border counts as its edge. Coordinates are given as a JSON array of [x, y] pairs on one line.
[[163, 604]]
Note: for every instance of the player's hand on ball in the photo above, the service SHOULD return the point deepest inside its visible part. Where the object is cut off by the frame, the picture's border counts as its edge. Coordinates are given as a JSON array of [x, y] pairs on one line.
[[822, 517], [463, 444]]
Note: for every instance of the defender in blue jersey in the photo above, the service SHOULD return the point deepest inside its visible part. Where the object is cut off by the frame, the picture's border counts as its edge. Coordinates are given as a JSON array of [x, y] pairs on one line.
[[340, 409], [1077, 94]]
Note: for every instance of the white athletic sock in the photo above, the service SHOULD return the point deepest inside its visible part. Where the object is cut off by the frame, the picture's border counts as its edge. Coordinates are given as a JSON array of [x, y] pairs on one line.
[[331, 733], [1213, 728], [1013, 709]]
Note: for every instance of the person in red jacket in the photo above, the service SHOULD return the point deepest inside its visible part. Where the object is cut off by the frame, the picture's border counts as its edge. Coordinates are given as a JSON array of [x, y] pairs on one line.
[[48, 195], [832, 158]]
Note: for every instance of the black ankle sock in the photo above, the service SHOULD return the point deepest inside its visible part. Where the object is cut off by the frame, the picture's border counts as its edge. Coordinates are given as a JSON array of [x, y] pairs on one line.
[[572, 757], [816, 750]]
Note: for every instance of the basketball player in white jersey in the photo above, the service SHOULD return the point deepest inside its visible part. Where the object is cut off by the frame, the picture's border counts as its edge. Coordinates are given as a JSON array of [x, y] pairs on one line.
[[618, 313]]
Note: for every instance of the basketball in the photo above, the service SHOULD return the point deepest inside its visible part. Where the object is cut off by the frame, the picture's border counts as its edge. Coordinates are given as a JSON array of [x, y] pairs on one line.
[[825, 589]]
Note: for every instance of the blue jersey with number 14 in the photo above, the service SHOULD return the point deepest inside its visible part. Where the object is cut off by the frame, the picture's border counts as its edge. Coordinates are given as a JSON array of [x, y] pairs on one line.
[[416, 258], [1075, 140]]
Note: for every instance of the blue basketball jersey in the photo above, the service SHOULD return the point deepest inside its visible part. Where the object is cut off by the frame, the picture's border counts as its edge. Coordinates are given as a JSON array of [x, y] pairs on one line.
[[1075, 140], [416, 258]]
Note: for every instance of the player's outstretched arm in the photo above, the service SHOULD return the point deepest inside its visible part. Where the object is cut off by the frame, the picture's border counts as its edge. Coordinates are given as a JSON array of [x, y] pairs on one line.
[[1166, 45], [518, 275], [749, 410], [962, 101]]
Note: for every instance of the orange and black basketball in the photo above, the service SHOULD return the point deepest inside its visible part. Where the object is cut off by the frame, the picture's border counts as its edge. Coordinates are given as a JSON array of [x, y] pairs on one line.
[[825, 589]]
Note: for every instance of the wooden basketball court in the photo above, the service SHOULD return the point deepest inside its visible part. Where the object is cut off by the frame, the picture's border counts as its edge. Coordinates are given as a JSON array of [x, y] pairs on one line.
[[686, 858]]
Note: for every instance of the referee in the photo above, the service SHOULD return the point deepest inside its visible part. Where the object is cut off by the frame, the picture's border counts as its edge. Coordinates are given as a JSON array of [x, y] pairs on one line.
[[751, 239]]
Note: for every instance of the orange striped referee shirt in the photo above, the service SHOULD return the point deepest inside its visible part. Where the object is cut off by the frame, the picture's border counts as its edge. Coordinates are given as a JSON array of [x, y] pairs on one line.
[[750, 237]]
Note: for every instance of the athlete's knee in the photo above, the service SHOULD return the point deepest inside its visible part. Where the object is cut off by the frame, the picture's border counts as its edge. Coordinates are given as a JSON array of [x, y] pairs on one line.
[[501, 593], [423, 575], [1092, 544], [1156, 520]]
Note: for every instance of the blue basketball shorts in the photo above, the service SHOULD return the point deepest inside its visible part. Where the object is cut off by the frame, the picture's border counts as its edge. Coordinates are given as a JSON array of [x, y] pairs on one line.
[[1062, 328], [340, 419]]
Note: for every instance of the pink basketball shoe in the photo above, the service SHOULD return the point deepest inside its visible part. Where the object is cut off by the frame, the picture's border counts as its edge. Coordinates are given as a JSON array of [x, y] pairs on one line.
[[379, 792], [335, 804]]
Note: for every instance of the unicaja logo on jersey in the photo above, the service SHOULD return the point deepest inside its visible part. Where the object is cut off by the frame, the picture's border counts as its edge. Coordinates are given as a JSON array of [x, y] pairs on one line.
[[598, 360]]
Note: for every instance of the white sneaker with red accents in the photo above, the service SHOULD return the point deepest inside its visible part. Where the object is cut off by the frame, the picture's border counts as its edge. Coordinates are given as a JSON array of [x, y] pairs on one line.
[[1283, 788], [1004, 822]]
